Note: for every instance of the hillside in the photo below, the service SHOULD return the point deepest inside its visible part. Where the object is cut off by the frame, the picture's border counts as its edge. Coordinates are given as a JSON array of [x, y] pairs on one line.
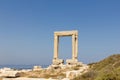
[[107, 69]]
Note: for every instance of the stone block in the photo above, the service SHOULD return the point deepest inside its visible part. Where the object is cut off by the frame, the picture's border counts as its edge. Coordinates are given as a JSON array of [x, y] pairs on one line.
[[58, 61], [72, 62], [37, 68]]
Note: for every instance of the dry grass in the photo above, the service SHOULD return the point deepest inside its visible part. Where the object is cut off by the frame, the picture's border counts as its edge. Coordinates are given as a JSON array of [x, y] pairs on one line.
[[107, 69], [43, 74]]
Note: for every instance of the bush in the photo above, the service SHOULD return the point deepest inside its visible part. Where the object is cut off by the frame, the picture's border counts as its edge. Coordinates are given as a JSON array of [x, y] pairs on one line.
[[87, 76], [108, 76]]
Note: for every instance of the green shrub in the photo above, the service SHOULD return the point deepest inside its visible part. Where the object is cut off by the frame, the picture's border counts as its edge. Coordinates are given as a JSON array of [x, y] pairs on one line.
[[90, 75]]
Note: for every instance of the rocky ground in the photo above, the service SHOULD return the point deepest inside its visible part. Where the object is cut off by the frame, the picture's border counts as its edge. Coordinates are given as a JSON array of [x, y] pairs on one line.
[[106, 69], [53, 72]]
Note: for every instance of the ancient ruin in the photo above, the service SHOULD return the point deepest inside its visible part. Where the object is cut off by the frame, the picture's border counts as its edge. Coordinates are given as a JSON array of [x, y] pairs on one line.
[[57, 35], [57, 71]]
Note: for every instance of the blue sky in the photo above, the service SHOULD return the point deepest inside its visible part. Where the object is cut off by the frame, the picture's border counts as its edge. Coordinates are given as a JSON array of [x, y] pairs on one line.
[[27, 27]]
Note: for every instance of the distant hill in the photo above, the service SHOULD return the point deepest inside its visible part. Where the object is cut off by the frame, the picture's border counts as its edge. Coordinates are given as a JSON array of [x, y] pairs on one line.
[[107, 69]]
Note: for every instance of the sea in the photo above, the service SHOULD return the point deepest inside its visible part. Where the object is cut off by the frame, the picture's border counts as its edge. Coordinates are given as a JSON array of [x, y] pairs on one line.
[[19, 67]]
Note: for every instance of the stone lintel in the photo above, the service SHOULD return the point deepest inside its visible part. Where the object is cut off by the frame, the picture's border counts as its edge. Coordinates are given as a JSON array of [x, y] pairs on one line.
[[66, 33]]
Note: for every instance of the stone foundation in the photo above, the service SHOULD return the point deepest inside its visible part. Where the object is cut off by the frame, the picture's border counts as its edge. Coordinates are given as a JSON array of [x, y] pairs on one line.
[[58, 61], [72, 62]]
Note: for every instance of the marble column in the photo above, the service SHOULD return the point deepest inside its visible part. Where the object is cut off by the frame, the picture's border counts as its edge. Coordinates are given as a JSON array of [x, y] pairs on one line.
[[76, 46], [56, 46], [73, 47]]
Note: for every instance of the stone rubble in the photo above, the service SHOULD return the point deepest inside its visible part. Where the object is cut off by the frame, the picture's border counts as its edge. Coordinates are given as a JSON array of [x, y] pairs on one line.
[[8, 72]]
